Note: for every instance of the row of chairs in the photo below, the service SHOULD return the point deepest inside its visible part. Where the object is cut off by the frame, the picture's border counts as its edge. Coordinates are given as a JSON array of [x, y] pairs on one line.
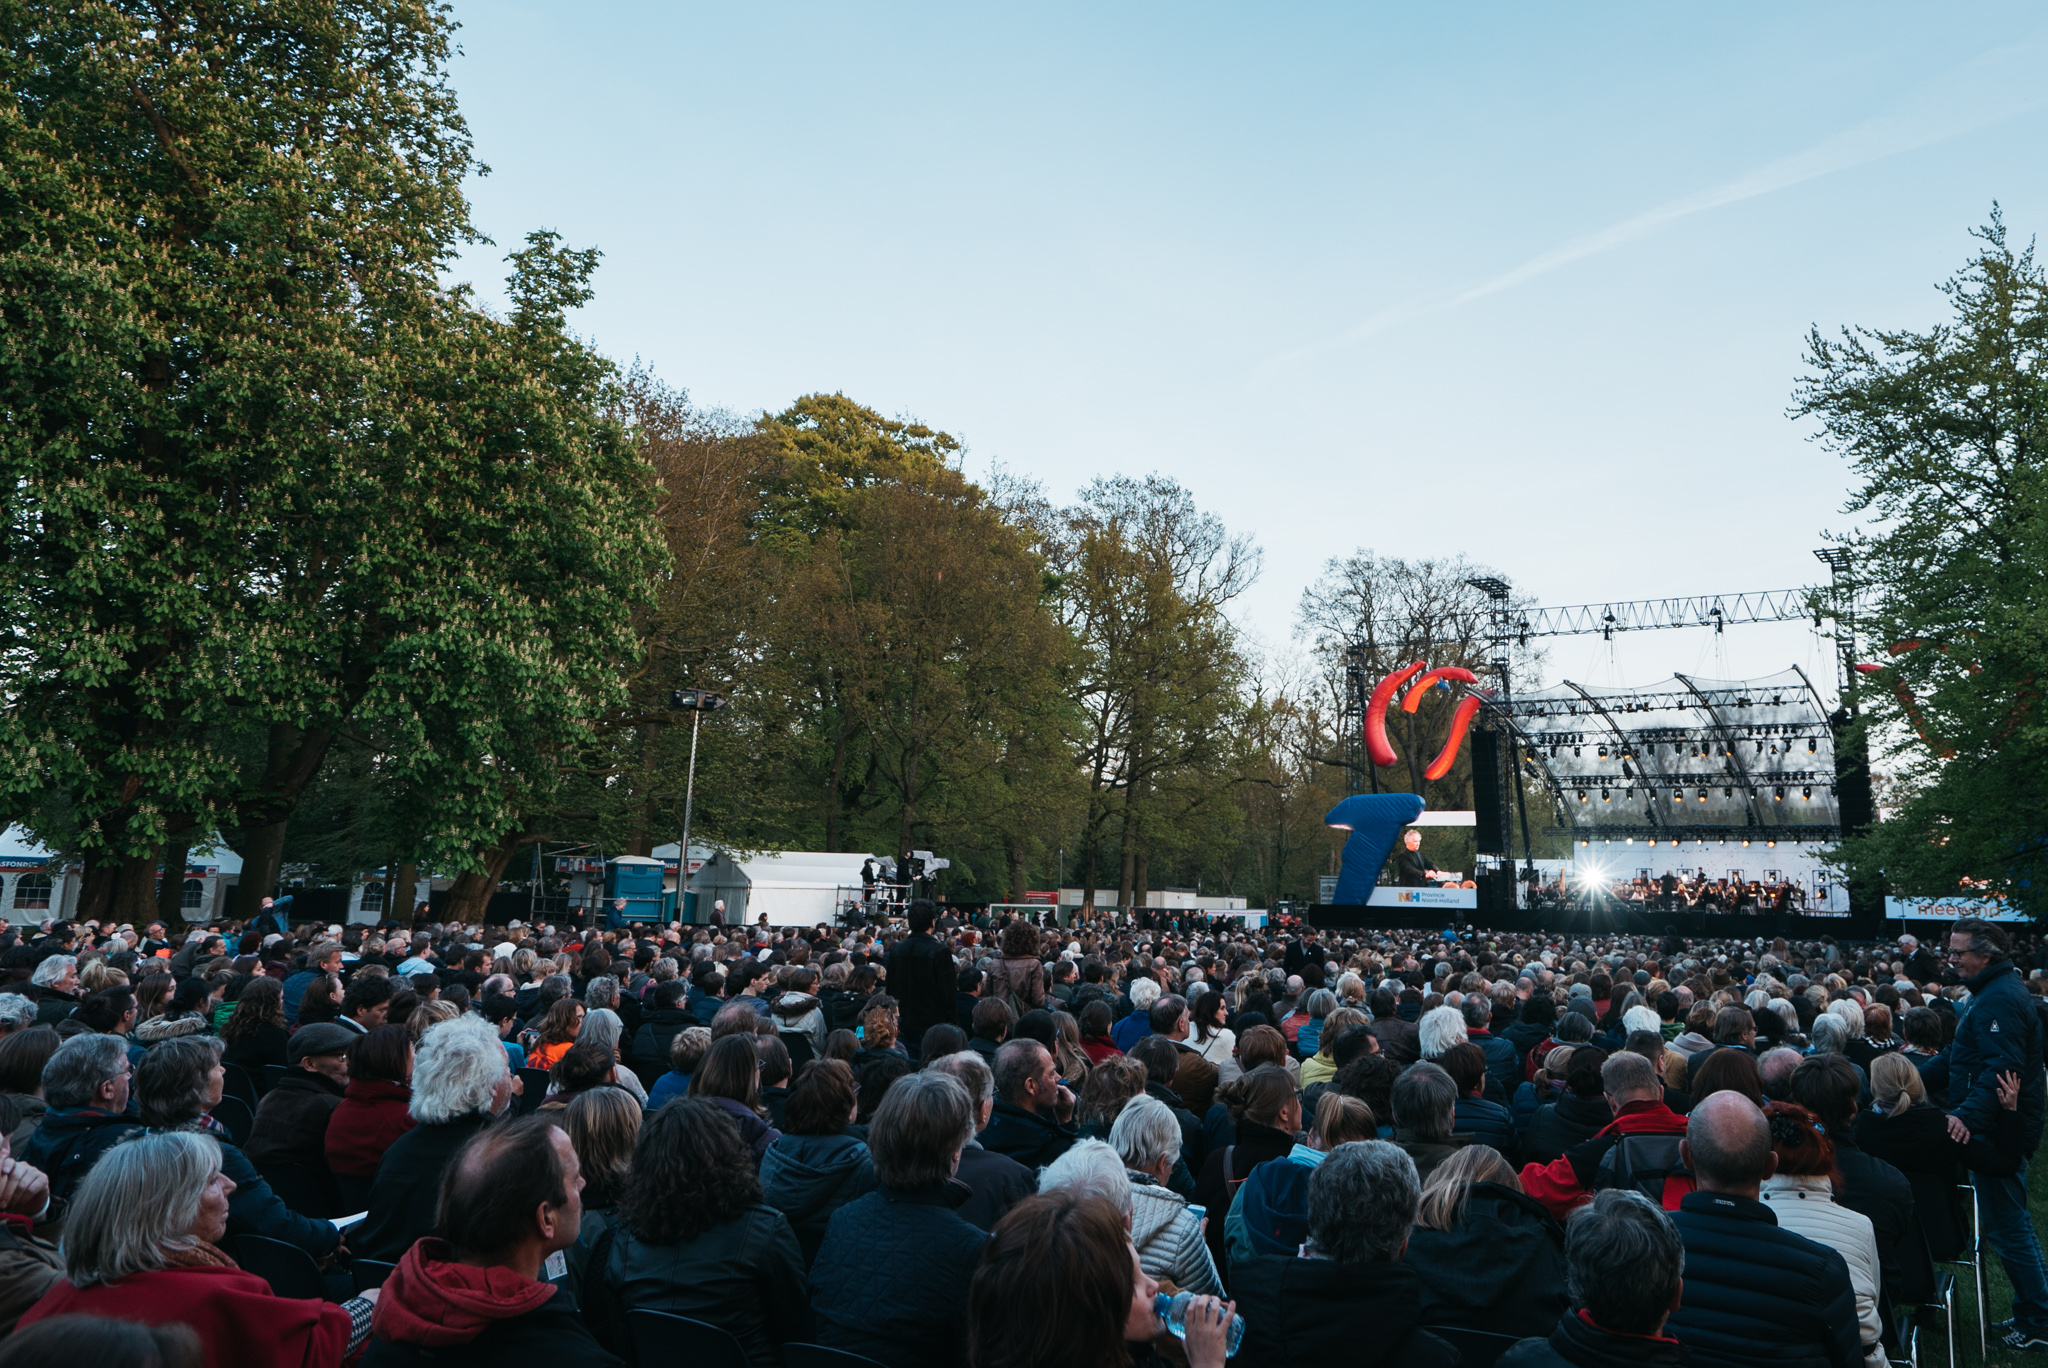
[[662, 1340], [1942, 1303]]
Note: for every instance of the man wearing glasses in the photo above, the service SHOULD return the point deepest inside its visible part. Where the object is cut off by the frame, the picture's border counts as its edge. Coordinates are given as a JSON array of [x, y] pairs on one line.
[[2000, 1031]]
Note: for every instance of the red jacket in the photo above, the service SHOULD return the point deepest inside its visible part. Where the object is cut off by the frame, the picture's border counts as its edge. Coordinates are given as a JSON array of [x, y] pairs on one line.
[[1565, 1183], [372, 1114], [240, 1323]]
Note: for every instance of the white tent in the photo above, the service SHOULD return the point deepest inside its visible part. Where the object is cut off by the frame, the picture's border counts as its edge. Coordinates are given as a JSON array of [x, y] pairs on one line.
[[793, 888]]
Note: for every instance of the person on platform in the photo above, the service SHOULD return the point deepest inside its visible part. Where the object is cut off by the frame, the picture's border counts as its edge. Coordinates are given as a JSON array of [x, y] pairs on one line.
[[1410, 869]]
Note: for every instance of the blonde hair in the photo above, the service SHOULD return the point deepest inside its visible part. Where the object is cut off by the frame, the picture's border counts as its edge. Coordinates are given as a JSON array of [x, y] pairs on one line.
[[1340, 1119], [430, 1014], [1443, 1199], [1334, 1025], [1895, 1085]]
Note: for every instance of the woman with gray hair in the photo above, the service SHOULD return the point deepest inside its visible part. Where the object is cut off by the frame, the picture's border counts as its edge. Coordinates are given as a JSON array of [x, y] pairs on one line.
[[602, 1026], [177, 1087], [141, 1243], [1308, 1307], [1166, 1231]]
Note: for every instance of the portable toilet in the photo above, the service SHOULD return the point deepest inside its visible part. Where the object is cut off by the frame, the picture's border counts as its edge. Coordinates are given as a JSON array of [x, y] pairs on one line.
[[637, 879]]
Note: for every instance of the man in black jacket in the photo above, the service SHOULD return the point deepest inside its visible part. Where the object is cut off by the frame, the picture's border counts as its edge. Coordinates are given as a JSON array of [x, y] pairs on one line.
[[2000, 1032], [665, 1019], [1034, 1112], [1362, 1202], [288, 1142], [1624, 1263], [921, 976], [1753, 1292]]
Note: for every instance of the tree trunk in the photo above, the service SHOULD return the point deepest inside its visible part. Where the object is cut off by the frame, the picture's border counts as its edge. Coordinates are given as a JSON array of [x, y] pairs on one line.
[[1141, 890], [1017, 877], [291, 760], [135, 894], [470, 898], [641, 823], [1125, 880], [399, 906], [262, 864], [170, 897], [96, 887]]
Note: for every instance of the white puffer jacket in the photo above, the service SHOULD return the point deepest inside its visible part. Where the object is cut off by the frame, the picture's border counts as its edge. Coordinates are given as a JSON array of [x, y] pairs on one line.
[[1806, 1206], [1169, 1237]]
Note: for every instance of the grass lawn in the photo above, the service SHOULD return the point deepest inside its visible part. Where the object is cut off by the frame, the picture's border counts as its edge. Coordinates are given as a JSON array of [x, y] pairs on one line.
[[1933, 1352]]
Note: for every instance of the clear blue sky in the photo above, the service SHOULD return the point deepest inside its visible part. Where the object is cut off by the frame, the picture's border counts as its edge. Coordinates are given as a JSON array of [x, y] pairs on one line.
[[1523, 282]]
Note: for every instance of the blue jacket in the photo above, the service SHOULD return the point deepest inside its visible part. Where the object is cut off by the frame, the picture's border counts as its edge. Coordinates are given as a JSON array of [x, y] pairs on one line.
[[1503, 1065], [1488, 1123], [1131, 1030], [892, 1276], [1999, 1033], [1757, 1294], [295, 992]]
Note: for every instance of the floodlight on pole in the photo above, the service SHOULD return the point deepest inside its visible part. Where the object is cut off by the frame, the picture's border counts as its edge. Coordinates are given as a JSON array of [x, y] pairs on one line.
[[695, 702]]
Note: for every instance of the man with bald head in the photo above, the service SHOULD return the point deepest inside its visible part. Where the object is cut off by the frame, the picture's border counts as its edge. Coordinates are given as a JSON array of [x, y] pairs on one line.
[[1754, 1293]]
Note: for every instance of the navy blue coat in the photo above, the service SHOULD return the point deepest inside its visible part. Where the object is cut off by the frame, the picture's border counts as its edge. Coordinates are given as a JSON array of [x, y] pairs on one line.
[[891, 1279], [2000, 1033], [1755, 1293], [1488, 1123], [1032, 1140]]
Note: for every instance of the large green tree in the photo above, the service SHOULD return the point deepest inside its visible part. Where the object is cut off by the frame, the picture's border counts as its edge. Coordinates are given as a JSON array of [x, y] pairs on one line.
[[1946, 431], [264, 475], [1145, 579]]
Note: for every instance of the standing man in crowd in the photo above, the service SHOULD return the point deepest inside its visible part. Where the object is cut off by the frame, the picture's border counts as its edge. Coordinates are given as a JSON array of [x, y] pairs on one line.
[[1999, 1032]]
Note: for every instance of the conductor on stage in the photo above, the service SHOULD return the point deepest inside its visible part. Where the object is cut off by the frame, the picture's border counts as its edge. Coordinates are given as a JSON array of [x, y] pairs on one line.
[[1410, 869]]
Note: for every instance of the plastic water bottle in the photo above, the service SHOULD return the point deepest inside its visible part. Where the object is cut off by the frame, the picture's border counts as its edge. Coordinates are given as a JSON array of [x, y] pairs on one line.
[[1174, 1311]]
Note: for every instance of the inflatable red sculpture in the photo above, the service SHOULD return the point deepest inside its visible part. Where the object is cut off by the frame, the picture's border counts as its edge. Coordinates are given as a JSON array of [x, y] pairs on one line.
[[1381, 750]]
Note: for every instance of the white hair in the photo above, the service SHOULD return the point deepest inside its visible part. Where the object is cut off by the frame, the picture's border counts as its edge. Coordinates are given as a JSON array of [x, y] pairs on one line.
[[602, 1025], [16, 1011], [1092, 1169], [1851, 1015], [1641, 1019], [1440, 1029], [456, 1070], [1145, 992], [1145, 1132], [52, 969]]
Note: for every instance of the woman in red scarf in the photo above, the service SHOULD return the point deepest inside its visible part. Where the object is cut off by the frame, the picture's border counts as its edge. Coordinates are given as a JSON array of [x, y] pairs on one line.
[[141, 1245]]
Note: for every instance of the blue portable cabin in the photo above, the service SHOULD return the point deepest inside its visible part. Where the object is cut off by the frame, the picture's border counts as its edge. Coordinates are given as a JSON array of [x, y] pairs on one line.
[[637, 879]]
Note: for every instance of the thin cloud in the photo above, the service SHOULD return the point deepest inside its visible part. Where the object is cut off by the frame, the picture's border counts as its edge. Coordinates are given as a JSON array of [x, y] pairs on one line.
[[1991, 87]]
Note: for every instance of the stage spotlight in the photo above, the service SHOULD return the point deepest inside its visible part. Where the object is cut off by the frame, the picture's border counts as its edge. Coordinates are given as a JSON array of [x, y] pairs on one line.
[[1703, 795], [1771, 844], [1582, 795], [1603, 752], [1777, 795], [1745, 842], [1605, 796], [1811, 745], [1630, 841], [1806, 794], [1575, 751]]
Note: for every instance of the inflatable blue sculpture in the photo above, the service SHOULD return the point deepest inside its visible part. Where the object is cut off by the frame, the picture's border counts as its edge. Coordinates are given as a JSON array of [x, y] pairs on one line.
[[1375, 821]]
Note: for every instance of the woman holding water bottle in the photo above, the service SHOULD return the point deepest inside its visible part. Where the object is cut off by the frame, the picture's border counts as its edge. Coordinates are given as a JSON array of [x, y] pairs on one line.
[[1060, 1284]]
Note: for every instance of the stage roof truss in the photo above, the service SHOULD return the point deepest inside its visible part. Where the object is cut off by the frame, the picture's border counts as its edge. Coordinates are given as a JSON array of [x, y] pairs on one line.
[[1749, 757]]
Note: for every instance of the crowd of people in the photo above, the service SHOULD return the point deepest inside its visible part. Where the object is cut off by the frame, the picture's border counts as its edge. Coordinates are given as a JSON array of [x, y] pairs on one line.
[[1006, 1145]]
